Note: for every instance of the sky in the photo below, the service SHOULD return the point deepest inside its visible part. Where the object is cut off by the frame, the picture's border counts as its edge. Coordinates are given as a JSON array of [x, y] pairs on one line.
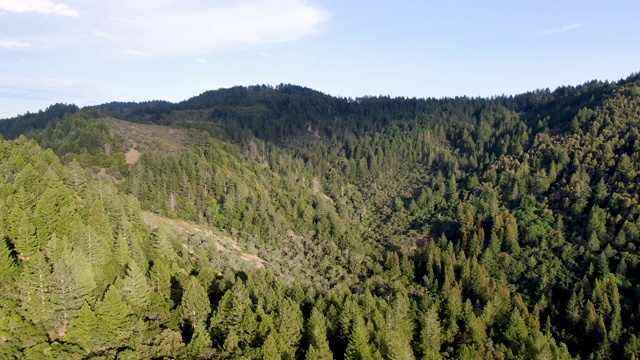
[[92, 52]]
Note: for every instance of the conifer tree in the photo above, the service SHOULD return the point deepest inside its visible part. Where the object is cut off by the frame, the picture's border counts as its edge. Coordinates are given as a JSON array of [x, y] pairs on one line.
[[289, 325], [228, 317], [98, 252], [269, 349], [199, 341], [398, 332], [358, 347], [83, 328], [317, 335], [7, 264], [54, 212], [23, 233], [430, 335], [135, 288], [195, 308], [33, 285], [72, 284], [113, 318]]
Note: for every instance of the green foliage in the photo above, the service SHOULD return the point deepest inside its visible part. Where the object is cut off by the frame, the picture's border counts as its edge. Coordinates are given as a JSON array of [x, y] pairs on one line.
[[82, 329], [502, 228], [200, 341], [85, 137], [359, 347], [195, 308], [113, 319], [317, 334], [12, 128], [7, 263]]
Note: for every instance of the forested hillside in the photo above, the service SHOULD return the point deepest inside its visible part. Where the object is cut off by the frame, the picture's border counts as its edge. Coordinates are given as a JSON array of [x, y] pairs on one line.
[[289, 224]]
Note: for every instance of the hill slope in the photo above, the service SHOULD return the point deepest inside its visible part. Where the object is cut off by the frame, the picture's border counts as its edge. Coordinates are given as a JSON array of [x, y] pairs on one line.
[[286, 222]]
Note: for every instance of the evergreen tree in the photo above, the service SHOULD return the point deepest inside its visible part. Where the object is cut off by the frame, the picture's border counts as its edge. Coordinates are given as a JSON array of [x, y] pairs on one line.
[[199, 342], [32, 286], [7, 263], [270, 348], [135, 288], [72, 285], [114, 319], [430, 335], [289, 325], [317, 335], [398, 334], [83, 328], [358, 347], [195, 308], [23, 233]]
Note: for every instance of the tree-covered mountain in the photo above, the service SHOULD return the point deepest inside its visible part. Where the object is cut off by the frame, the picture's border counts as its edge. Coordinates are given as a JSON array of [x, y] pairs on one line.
[[32, 122], [290, 224]]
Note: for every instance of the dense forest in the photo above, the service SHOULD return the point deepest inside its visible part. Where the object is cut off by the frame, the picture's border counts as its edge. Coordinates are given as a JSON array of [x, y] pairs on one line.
[[320, 227]]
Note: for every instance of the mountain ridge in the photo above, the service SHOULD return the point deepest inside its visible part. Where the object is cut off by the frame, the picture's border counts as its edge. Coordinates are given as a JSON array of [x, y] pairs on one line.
[[382, 228]]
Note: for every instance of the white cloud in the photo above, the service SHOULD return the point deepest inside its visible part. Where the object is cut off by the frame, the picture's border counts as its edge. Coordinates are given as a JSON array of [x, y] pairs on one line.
[[99, 34], [13, 44], [37, 6], [173, 28], [165, 28], [560, 30], [137, 53], [202, 61]]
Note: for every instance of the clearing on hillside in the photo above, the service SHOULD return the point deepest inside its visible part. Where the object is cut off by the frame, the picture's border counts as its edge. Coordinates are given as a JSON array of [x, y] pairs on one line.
[[141, 138], [204, 239]]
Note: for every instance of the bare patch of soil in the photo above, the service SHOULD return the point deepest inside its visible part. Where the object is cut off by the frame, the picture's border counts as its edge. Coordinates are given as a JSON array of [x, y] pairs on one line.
[[132, 156], [258, 262]]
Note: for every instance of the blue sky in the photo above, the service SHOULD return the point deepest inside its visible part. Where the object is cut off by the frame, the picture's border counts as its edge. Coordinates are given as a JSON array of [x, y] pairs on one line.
[[91, 52]]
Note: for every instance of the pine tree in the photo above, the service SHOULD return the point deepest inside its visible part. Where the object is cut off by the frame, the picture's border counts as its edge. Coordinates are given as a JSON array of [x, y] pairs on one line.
[[55, 212], [289, 325], [358, 347], [632, 348], [33, 285], [602, 192], [229, 316], [122, 251], [98, 252], [317, 335], [23, 233], [516, 333], [82, 329], [168, 344], [135, 288], [398, 331], [113, 316], [160, 297], [72, 284], [430, 335], [269, 349], [199, 341], [574, 306], [195, 308], [7, 264]]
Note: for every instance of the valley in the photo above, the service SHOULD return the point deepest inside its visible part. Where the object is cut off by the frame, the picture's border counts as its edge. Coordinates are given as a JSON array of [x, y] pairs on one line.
[[279, 222]]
